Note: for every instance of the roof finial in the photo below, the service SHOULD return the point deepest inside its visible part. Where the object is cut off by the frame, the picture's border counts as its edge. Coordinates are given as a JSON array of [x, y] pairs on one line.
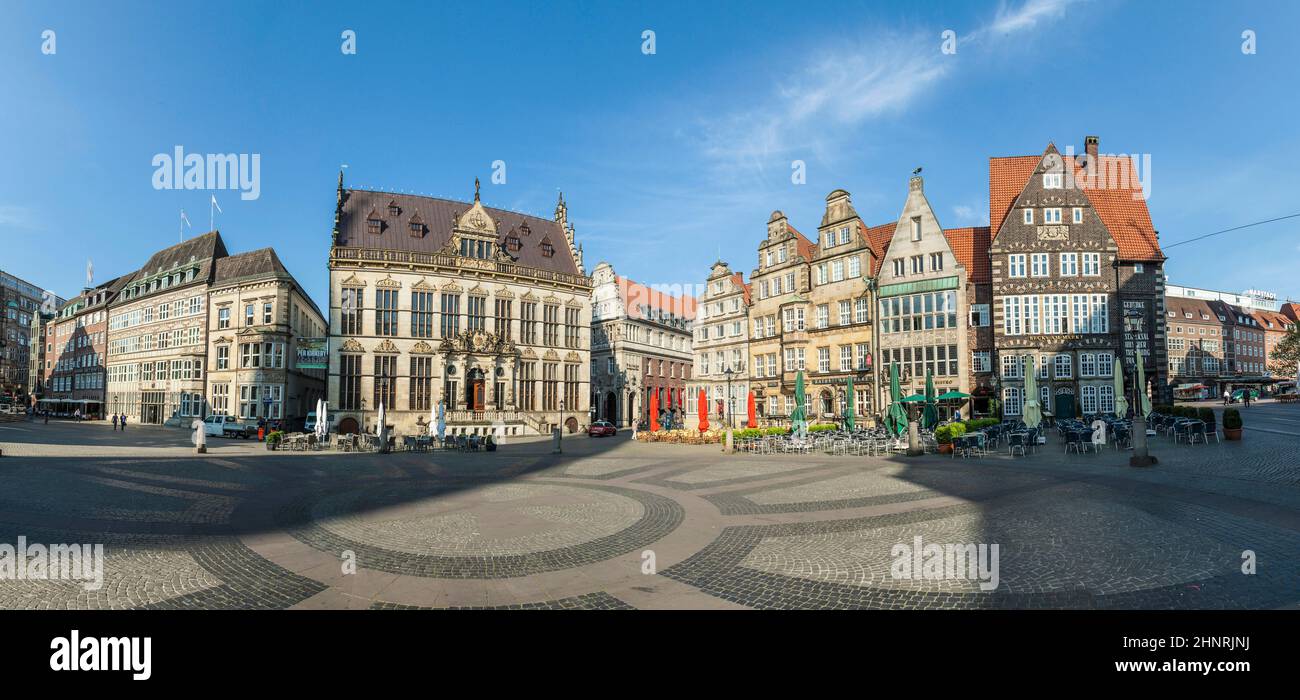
[[475, 189]]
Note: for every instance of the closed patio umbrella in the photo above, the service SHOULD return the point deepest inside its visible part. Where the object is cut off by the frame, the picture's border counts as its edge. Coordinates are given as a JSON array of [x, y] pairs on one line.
[[442, 422], [799, 419], [896, 417], [1033, 413], [849, 421], [930, 417], [1121, 399], [753, 414], [704, 412], [654, 411], [1145, 406]]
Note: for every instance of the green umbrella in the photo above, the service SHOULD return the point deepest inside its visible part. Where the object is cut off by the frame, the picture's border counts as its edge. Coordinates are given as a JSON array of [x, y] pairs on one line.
[[1121, 400], [848, 406], [896, 419], [914, 398], [951, 396], [798, 419], [1033, 413], [930, 417], [1142, 388]]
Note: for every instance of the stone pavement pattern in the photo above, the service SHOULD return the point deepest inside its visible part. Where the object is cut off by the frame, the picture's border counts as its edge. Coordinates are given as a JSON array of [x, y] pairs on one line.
[[523, 529]]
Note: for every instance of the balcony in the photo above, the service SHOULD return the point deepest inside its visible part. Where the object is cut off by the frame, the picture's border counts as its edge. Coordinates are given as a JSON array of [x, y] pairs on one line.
[[486, 417]]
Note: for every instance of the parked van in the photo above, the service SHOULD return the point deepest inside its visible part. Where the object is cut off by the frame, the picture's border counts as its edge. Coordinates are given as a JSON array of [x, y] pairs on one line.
[[310, 425], [227, 426]]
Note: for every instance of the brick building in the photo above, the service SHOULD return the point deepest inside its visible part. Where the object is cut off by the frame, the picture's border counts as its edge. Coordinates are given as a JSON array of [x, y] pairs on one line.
[[76, 346], [1077, 279]]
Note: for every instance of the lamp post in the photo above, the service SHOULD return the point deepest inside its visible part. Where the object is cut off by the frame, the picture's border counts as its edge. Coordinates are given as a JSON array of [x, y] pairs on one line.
[[731, 400], [363, 416], [559, 432]]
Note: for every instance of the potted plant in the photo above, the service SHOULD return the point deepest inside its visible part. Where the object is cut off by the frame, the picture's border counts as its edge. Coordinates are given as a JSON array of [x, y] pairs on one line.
[[1231, 424], [944, 435], [273, 439]]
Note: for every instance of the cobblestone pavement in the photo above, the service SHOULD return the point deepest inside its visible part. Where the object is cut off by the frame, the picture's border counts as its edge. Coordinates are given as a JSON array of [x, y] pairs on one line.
[[615, 524]]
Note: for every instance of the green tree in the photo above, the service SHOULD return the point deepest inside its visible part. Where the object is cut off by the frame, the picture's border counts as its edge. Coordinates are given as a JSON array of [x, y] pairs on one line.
[[1286, 354]]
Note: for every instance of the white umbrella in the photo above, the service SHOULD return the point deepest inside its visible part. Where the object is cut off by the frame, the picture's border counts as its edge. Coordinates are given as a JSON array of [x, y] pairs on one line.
[[442, 422], [433, 419], [1033, 413], [1121, 400], [322, 415]]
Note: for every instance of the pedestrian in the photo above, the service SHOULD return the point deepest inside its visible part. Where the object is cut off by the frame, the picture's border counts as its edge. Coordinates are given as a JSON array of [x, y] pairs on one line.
[[124, 422], [1227, 396], [115, 422]]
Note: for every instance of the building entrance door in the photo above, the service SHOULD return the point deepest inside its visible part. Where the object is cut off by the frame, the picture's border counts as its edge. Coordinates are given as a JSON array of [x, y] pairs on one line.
[[476, 399], [151, 407], [1064, 405]]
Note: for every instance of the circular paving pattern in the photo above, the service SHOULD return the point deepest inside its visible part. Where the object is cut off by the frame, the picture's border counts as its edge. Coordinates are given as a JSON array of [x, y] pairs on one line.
[[482, 531], [492, 520]]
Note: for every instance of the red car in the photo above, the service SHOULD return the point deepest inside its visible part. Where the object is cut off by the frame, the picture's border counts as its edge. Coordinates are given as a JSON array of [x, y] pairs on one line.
[[602, 428]]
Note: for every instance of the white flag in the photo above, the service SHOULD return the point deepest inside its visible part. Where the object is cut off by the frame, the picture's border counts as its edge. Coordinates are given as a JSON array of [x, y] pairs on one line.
[[186, 219], [214, 203], [90, 273]]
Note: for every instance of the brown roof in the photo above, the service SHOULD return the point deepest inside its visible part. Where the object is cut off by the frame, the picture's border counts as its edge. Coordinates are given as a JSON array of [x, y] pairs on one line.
[[635, 295], [255, 263], [1120, 203], [1183, 305], [438, 215], [204, 249], [971, 248], [1277, 318]]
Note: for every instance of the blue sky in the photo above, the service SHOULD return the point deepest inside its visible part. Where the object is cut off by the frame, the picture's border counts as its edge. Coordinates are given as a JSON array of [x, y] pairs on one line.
[[667, 160]]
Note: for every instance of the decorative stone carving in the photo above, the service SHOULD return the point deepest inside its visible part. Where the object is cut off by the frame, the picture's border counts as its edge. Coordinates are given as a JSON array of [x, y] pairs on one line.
[[422, 348], [387, 348], [351, 345], [388, 283]]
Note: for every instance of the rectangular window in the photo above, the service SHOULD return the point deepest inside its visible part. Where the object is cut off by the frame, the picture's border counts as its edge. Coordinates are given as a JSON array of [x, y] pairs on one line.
[[450, 319], [266, 314], [223, 357], [1016, 265], [422, 314], [248, 313], [823, 359], [837, 271], [528, 323], [502, 320], [1069, 264], [1052, 215], [1091, 264], [1078, 215], [1051, 181], [1029, 216], [1039, 265], [385, 312], [349, 382], [823, 316], [572, 328], [550, 326], [980, 361], [223, 318], [421, 393], [936, 262], [477, 313], [351, 311], [550, 386], [385, 381]]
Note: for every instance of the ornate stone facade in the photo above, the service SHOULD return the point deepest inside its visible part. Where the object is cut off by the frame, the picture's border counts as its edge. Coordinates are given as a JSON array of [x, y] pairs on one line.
[[484, 310]]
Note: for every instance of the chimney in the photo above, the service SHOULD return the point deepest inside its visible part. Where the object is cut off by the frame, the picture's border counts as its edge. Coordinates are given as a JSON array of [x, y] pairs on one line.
[[1090, 146]]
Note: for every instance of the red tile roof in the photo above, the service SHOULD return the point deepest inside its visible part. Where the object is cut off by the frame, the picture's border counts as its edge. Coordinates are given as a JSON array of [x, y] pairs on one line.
[[1118, 200], [1007, 179], [877, 239], [806, 248], [971, 247], [739, 279], [1291, 310], [634, 295]]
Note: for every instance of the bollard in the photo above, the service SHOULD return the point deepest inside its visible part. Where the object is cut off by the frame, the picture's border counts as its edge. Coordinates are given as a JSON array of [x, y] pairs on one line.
[[556, 441]]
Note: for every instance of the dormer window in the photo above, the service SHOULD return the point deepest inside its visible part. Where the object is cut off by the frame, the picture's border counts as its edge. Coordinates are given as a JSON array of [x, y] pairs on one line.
[[393, 209], [417, 226], [374, 224], [513, 244], [548, 250]]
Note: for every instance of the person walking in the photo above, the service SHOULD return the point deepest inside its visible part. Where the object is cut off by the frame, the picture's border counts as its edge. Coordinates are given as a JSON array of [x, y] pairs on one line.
[[1227, 396], [124, 422], [115, 422]]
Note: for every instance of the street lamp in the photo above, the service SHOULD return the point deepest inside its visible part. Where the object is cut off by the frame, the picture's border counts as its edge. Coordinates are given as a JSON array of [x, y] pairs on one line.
[[731, 400]]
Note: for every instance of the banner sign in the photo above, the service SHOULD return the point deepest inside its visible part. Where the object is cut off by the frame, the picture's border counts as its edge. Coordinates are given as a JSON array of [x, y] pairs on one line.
[[313, 353]]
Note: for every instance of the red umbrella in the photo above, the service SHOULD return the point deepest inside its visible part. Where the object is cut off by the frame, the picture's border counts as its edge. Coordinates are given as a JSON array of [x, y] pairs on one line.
[[704, 412], [753, 422], [654, 412]]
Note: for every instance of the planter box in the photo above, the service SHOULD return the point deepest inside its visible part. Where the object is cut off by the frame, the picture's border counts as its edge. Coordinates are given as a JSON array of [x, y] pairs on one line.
[[1232, 433], [945, 448]]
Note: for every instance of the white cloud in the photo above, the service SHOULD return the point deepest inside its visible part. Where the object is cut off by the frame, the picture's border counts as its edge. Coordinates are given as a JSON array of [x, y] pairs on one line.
[[819, 106]]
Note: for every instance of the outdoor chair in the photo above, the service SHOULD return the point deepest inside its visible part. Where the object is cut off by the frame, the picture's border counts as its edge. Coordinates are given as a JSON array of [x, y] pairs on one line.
[[1016, 443]]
